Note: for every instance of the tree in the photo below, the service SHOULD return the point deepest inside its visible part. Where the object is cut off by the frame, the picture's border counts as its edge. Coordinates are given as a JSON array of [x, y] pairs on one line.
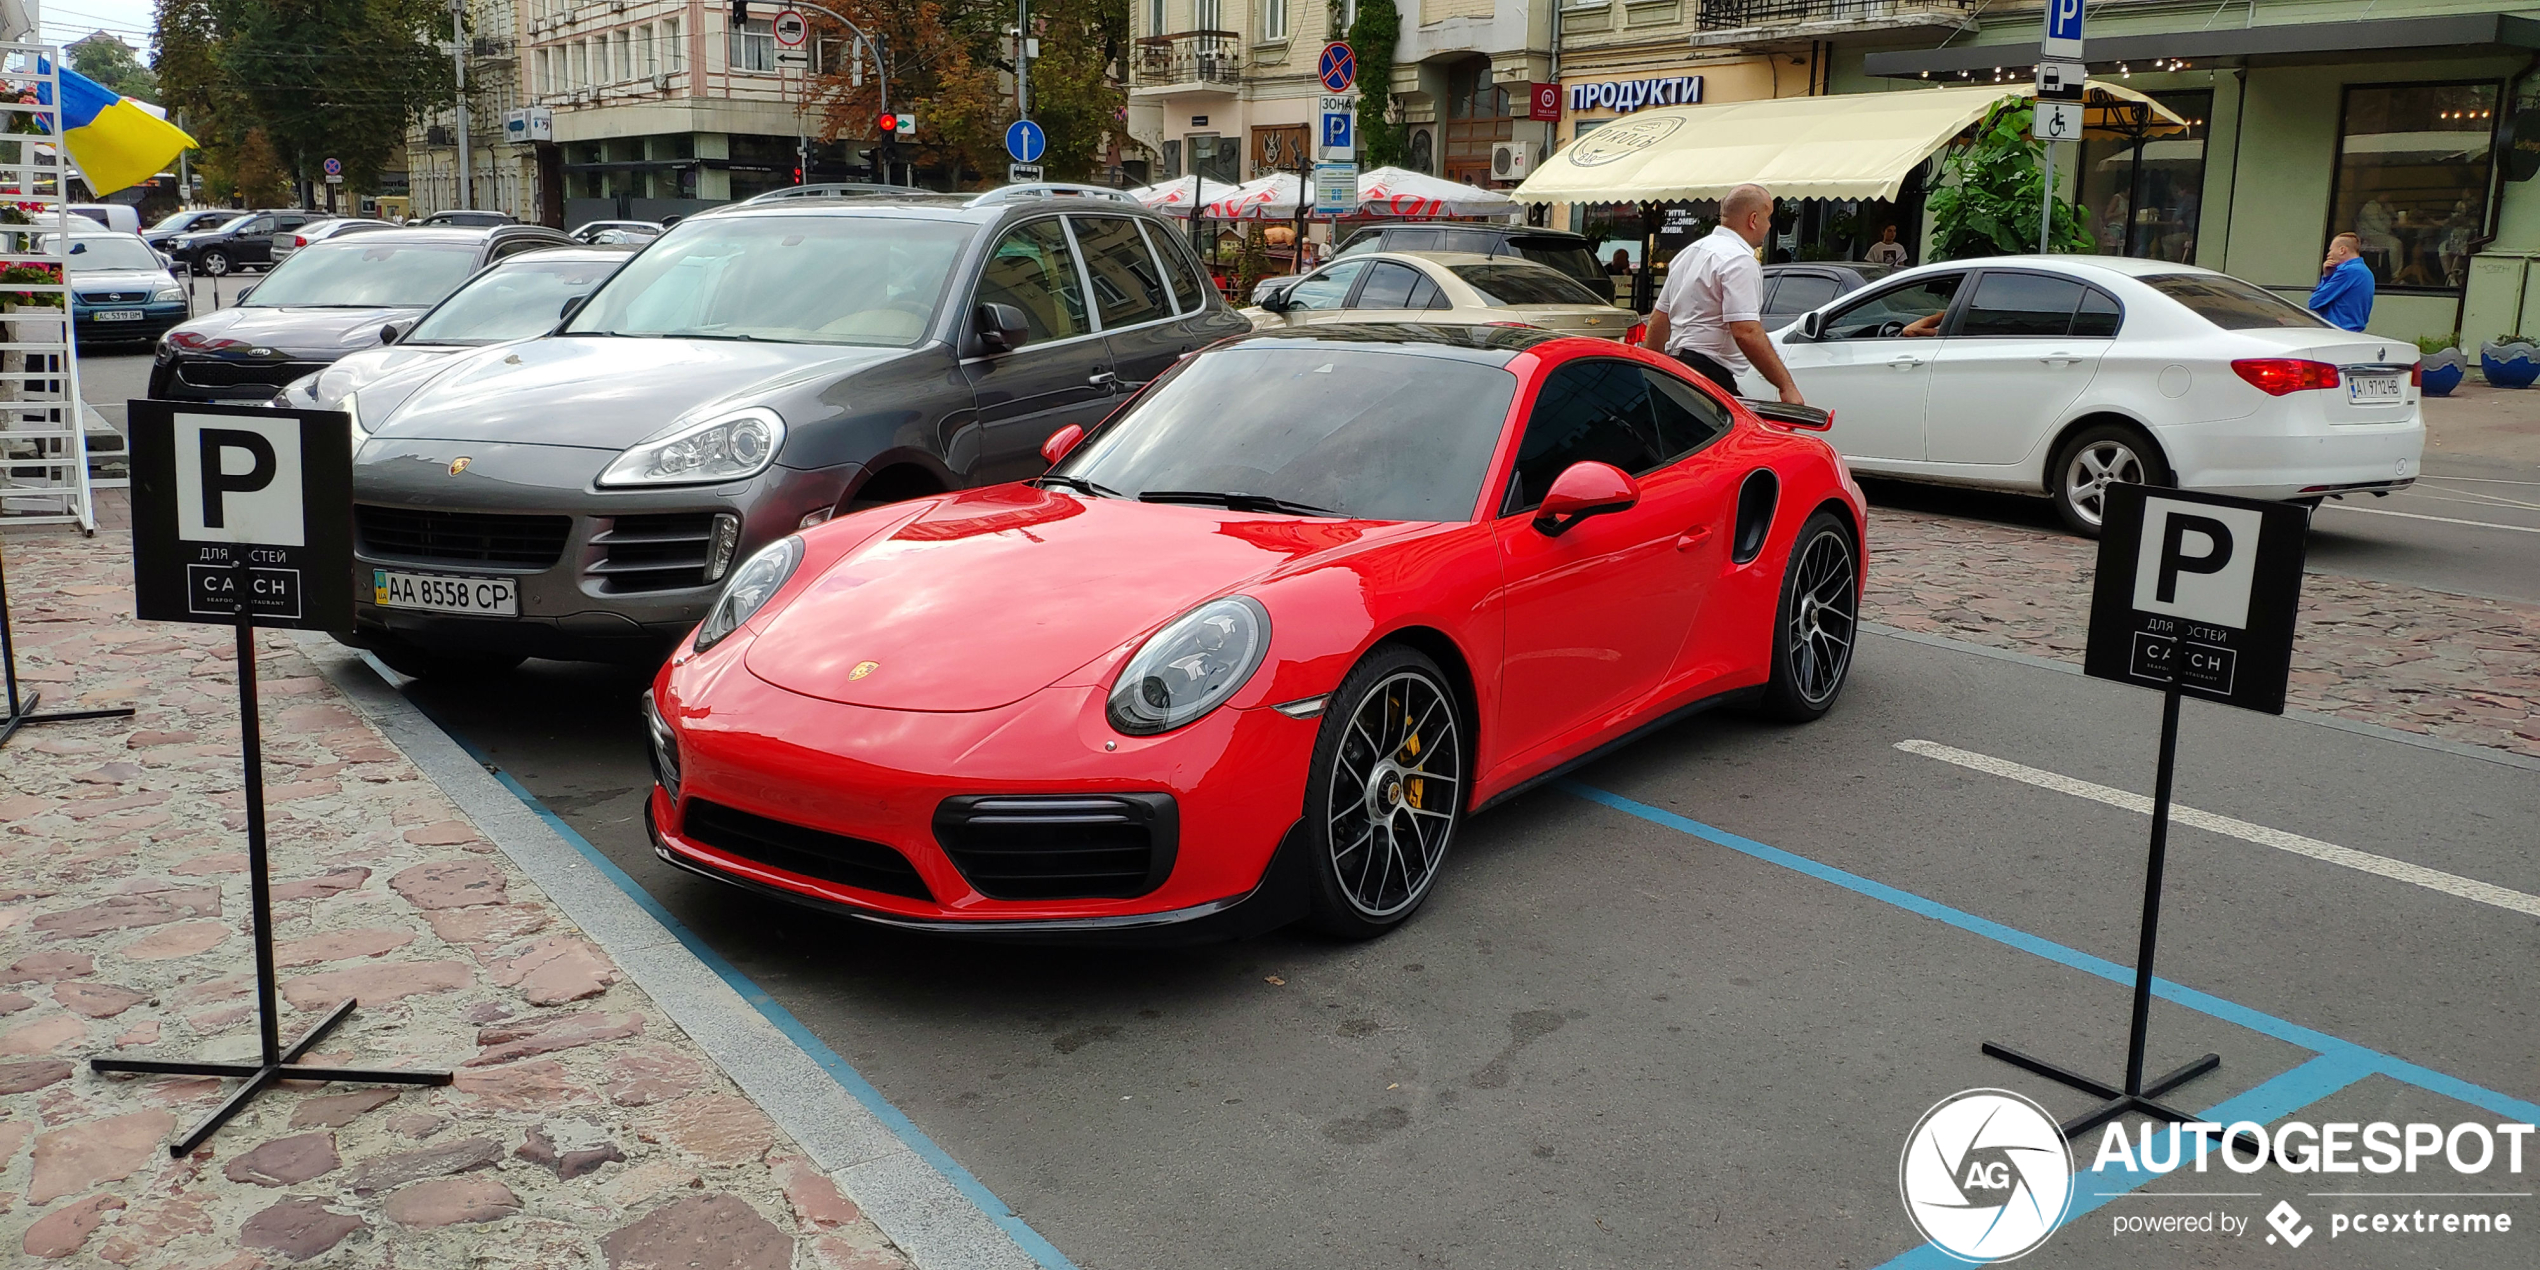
[[950, 63], [112, 63], [1991, 186], [1371, 40]]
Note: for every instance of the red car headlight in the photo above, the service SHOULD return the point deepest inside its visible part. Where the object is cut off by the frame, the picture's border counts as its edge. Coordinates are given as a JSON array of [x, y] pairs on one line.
[[1191, 666]]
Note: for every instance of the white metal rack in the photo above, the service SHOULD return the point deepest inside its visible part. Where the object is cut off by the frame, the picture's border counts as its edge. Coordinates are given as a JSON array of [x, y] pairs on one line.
[[43, 438]]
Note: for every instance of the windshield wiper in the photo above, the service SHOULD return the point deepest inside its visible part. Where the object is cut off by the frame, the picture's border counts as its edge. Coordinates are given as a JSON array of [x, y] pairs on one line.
[[1237, 502], [1080, 485]]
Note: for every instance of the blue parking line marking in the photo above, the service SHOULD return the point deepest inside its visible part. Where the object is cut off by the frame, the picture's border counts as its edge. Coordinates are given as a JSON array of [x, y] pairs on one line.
[[2338, 1062], [1034, 1246]]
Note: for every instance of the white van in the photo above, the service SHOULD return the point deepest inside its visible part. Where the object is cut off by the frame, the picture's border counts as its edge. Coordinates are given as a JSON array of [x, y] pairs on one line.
[[123, 218]]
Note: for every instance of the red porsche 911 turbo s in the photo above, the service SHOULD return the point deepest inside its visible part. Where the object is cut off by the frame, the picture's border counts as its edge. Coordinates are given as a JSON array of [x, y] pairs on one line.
[[1255, 648]]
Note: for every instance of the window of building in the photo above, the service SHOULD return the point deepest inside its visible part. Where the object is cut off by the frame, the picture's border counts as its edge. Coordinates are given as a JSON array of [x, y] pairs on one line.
[[2140, 196], [1274, 19], [1155, 17], [2412, 170], [649, 42], [537, 72], [581, 64], [1205, 16], [624, 39], [754, 46], [1477, 115], [677, 46]]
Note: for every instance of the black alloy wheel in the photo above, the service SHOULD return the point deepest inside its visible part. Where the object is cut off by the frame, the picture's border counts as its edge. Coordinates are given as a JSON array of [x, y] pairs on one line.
[[1386, 793], [1818, 621]]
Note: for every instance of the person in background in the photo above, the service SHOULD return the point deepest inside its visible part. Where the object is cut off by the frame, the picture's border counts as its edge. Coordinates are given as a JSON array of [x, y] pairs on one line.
[[2343, 297], [1886, 251], [1710, 314], [1621, 263]]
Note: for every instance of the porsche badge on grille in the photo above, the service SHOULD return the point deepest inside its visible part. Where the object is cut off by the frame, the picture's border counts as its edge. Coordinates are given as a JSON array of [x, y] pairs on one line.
[[458, 465]]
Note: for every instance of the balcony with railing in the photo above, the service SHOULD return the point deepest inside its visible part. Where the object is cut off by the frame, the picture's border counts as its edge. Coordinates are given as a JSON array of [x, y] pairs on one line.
[[1713, 18], [1191, 61]]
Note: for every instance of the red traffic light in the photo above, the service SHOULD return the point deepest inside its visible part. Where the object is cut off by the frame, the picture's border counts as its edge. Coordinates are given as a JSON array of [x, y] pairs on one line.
[[886, 124]]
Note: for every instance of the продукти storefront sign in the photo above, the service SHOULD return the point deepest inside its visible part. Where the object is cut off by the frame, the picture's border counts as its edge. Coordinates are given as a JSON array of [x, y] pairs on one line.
[[1628, 95]]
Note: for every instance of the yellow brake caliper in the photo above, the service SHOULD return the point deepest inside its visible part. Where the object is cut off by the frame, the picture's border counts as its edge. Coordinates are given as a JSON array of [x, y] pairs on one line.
[[1413, 787]]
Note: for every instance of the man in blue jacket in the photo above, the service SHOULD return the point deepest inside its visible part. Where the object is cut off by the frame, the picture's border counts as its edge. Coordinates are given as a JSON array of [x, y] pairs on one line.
[[2343, 297]]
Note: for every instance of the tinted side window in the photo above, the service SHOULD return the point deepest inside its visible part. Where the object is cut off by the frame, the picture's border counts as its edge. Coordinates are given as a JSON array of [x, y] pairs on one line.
[[1481, 241], [2021, 304], [1388, 286], [1327, 288], [1887, 314], [1687, 417], [2098, 315], [1177, 267], [1427, 296], [1411, 240], [1127, 288], [1800, 292], [1033, 270], [2231, 304], [1588, 410]]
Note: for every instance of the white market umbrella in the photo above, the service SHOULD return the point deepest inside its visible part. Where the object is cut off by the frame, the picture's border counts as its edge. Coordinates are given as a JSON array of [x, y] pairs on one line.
[[1174, 197], [1400, 192], [1273, 197]]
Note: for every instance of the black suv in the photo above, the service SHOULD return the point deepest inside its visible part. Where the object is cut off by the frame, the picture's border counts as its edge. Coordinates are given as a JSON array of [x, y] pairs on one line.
[[244, 243], [1570, 253], [754, 370]]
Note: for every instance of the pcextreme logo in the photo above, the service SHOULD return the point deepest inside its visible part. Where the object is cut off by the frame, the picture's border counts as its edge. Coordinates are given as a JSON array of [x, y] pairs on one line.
[[1986, 1175]]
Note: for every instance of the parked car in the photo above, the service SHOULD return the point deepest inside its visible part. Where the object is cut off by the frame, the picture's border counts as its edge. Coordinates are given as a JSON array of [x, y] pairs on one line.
[[625, 230], [243, 243], [1572, 254], [1457, 287], [1383, 576], [2062, 374], [510, 299], [120, 289], [1793, 289], [318, 231], [750, 372], [324, 302], [467, 218], [123, 218], [189, 222]]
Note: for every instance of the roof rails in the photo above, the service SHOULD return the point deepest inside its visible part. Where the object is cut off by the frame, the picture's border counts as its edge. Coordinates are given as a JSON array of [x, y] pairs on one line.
[[1048, 189], [843, 189]]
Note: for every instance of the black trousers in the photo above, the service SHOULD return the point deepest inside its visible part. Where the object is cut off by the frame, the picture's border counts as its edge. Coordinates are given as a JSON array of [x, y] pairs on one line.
[[1710, 369]]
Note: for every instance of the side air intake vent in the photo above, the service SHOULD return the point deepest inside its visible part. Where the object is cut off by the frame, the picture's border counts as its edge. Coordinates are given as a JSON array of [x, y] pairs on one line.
[[1755, 501]]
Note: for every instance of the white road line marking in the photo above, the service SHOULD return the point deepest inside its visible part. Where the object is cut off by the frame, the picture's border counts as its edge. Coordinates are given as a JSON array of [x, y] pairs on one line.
[[2361, 861], [2483, 480], [2448, 520], [2470, 497]]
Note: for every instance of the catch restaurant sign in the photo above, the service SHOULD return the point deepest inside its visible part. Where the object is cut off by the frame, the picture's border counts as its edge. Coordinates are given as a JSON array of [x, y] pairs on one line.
[[1628, 95]]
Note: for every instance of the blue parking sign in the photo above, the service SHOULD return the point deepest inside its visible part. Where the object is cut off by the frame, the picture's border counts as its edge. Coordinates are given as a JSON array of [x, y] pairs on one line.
[[2063, 29], [1339, 130]]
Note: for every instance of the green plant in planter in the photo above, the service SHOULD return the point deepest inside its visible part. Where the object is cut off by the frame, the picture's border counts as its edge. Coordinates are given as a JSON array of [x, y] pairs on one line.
[[1988, 199], [2431, 344]]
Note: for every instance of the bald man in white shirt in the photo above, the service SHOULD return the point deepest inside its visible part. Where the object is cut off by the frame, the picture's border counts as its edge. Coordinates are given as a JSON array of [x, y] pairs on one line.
[[1710, 314]]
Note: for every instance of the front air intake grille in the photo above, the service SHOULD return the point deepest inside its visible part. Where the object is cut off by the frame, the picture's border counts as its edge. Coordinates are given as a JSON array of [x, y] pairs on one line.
[[244, 374], [653, 553], [1060, 846], [813, 853], [460, 538]]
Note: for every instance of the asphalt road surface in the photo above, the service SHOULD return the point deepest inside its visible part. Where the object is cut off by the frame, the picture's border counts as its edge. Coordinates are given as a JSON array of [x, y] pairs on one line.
[[1618, 1036]]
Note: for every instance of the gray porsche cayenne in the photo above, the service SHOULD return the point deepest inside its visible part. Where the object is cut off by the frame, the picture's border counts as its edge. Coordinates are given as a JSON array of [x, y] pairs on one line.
[[583, 494]]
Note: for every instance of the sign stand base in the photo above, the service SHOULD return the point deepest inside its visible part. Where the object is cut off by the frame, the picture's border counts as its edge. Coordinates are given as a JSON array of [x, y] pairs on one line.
[[22, 709], [274, 1062], [2136, 1095]]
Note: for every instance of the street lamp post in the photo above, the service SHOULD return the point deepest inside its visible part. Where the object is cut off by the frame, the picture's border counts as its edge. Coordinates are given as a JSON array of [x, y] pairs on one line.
[[458, 67], [881, 69]]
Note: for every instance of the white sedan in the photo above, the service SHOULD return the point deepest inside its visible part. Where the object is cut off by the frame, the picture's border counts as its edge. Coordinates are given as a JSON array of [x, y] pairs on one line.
[[1442, 286], [2063, 374]]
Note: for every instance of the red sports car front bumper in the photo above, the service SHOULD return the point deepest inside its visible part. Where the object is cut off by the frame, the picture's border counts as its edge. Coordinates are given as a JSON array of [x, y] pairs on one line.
[[1033, 818]]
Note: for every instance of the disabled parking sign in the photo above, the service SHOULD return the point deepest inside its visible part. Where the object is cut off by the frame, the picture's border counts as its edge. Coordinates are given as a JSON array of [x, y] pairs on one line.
[[2197, 592]]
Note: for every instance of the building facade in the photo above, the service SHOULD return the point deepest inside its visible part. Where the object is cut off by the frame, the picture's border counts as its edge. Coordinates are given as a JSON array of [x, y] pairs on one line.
[[502, 177]]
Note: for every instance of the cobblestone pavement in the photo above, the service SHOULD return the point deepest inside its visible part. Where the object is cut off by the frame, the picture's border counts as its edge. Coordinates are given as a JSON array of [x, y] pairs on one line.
[[584, 1130], [2456, 667]]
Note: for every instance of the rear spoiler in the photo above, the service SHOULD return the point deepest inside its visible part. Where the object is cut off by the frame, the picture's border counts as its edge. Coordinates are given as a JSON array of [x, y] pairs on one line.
[[1809, 417]]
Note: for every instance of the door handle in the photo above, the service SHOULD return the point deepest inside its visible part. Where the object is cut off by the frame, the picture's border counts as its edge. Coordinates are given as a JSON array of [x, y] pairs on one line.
[[1904, 363], [1692, 538], [2059, 359], [1102, 379]]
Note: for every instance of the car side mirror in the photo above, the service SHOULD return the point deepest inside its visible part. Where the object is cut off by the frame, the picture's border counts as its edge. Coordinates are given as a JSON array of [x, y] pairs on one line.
[[1002, 327], [1584, 489], [1812, 324], [571, 306], [392, 332], [243, 293], [1277, 302], [1061, 444]]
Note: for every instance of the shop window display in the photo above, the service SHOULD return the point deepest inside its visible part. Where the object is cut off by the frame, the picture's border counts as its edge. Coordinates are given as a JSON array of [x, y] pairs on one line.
[[2141, 196], [2412, 175]]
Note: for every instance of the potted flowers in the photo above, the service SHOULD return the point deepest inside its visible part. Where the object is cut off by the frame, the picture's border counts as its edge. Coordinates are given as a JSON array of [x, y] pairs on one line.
[[2441, 363], [2509, 361]]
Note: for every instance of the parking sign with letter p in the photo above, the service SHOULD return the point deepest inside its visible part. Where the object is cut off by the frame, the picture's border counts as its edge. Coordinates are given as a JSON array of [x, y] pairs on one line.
[[2197, 592], [242, 506]]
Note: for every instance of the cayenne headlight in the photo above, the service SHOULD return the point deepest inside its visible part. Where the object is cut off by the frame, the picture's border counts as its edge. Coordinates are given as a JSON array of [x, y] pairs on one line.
[[168, 295], [724, 448], [751, 585], [1191, 666]]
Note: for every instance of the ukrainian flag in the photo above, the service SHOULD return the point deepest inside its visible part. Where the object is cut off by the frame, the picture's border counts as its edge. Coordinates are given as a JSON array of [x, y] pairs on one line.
[[116, 141]]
